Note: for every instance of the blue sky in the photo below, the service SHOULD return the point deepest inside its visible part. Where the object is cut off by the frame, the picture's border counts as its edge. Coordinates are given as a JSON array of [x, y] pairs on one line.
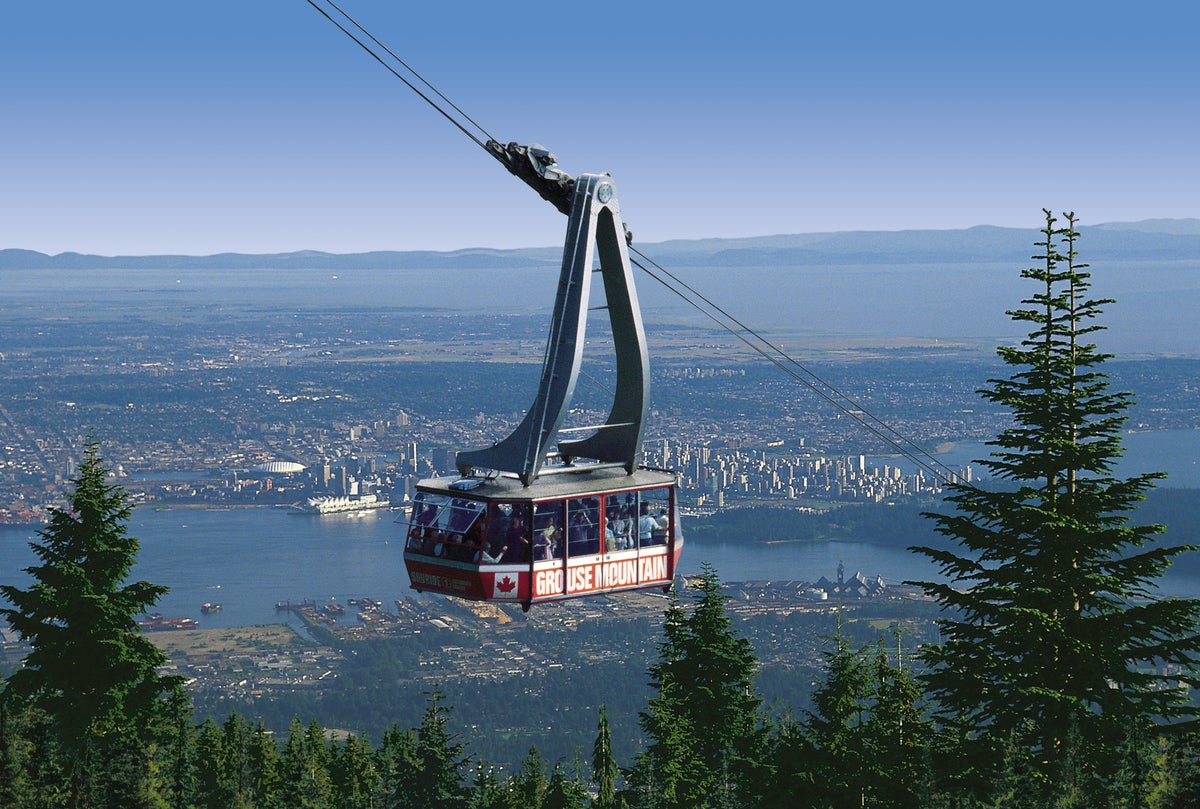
[[164, 127]]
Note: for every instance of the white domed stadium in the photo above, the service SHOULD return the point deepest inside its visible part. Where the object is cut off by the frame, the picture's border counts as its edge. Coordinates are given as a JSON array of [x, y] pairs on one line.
[[278, 468]]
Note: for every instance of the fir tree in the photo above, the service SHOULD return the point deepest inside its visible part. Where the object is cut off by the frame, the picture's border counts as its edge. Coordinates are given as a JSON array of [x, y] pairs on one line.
[[487, 792], [210, 791], [236, 768], [1142, 775], [530, 784], [90, 668], [1051, 615], [705, 721], [439, 760], [396, 765], [179, 751], [604, 764], [15, 787], [897, 732], [1182, 787], [305, 768], [354, 776], [793, 781], [565, 792], [264, 764], [835, 748], [669, 773]]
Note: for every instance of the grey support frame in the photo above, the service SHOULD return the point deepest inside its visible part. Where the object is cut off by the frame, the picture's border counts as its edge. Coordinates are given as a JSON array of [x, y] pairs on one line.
[[594, 220]]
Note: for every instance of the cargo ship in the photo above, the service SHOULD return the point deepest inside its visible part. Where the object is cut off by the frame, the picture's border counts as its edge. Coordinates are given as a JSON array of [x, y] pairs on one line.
[[157, 623]]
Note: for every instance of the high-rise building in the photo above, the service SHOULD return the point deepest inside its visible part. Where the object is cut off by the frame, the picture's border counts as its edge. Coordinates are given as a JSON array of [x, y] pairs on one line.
[[444, 460]]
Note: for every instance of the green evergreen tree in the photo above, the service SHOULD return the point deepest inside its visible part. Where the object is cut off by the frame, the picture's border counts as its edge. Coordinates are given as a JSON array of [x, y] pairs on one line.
[[212, 790], [604, 765], [354, 776], [237, 769], [178, 752], [705, 723], [43, 778], [128, 775], [396, 765], [90, 668], [1051, 611], [793, 779], [1142, 775], [1182, 785], [265, 765], [305, 768], [835, 730], [530, 784], [1019, 785], [897, 732], [669, 774], [15, 787], [423, 769], [564, 791], [487, 792]]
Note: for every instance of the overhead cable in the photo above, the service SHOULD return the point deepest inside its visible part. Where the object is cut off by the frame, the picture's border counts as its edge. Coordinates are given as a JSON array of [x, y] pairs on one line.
[[810, 379], [377, 57]]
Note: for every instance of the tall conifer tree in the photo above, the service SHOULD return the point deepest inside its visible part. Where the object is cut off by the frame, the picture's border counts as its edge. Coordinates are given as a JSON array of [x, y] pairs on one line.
[[705, 722], [440, 759], [90, 669], [1052, 621], [604, 764]]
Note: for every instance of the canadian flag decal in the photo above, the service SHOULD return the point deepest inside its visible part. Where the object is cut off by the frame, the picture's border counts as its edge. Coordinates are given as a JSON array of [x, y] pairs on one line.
[[504, 586]]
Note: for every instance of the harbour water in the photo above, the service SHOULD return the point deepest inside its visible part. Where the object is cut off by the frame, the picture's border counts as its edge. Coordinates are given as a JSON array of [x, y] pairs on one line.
[[248, 560]]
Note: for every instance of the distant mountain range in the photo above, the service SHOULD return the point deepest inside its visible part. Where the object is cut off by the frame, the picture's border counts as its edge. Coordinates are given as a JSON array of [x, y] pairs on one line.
[[1151, 239]]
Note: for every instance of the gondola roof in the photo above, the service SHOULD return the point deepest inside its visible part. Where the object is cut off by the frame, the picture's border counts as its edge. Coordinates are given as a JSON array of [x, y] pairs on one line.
[[579, 483]]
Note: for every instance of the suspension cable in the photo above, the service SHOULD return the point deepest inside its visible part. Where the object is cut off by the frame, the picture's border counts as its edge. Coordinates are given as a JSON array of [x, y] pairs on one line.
[[873, 424], [793, 368], [374, 55]]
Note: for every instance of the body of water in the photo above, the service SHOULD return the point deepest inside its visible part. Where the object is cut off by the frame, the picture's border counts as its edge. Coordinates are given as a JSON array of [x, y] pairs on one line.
[[249, 559]]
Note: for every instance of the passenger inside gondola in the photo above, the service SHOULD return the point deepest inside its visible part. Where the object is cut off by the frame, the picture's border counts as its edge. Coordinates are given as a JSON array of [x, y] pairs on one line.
[[449, 529], [493, 554], [499, 521], [618, 525], [646, 526], [654, 521], [583, 529], [518, 542], [420, 529], [547, 534]]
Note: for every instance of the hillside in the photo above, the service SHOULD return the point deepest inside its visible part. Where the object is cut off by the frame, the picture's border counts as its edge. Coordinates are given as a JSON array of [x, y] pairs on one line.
[[1158, 239]]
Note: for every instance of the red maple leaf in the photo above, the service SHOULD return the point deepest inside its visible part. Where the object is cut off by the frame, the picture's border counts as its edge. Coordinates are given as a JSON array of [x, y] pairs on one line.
[[506, 585]]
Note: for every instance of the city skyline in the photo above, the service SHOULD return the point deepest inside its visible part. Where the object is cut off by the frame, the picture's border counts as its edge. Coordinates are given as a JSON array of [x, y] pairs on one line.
[[222, 127]]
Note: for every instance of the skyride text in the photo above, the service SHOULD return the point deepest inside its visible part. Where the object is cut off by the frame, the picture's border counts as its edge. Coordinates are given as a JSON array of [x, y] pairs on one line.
[[588, 578]]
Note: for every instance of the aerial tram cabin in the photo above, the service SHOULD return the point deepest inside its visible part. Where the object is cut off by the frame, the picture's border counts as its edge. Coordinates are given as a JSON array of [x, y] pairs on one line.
[[602, 532], [524, 524]]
